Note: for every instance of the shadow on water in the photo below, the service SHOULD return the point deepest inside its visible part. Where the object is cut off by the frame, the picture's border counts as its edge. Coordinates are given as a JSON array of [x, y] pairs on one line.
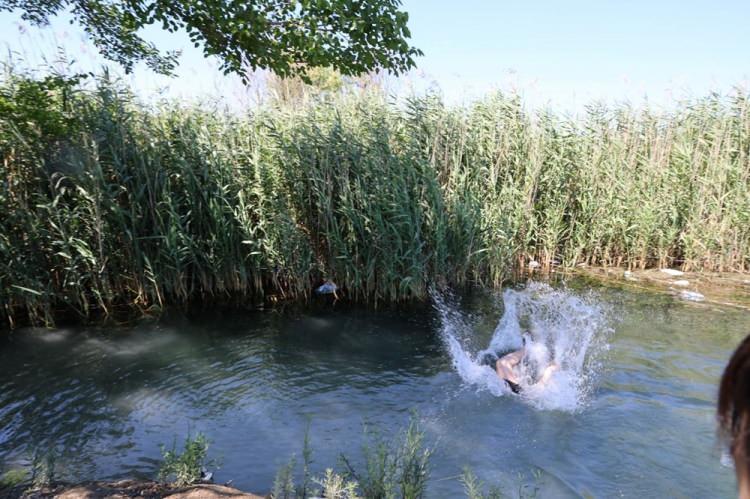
[[105, 399]]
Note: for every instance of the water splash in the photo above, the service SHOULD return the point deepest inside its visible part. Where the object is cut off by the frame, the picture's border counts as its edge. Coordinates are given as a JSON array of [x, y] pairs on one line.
[[726, 458], [560, 328]]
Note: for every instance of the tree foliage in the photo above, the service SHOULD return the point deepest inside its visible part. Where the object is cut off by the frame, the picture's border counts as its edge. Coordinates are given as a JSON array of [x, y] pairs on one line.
[[285, 36]]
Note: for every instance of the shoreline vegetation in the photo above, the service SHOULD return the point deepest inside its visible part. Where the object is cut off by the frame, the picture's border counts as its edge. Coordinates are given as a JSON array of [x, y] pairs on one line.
[[388, 467], [112, 205]]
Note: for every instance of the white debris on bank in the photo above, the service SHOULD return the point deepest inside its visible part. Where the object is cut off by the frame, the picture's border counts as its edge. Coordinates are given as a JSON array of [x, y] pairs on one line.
[[681, 282], [672, 272], [691, 296], [327, 288], [628, 276]]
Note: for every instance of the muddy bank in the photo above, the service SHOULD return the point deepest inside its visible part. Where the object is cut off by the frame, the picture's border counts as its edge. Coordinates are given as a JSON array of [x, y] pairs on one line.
[[130, 489], [709, 288]]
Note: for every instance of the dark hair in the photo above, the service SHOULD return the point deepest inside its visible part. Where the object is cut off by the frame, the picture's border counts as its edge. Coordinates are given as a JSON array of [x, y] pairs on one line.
[[733, 408], [488, 359]]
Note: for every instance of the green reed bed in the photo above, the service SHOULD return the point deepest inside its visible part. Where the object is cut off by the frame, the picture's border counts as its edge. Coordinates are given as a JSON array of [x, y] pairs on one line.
[[108, 203]]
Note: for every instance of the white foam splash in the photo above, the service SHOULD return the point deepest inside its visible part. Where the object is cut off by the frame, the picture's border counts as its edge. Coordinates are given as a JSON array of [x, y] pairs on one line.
[[726, 458], [562, 328]]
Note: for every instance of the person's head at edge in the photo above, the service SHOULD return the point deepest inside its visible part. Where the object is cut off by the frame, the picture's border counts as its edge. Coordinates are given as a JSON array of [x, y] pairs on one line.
[[733, 410]]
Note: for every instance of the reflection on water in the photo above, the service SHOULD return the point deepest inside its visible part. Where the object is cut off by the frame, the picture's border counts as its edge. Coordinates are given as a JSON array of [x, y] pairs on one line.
[[105, 400]]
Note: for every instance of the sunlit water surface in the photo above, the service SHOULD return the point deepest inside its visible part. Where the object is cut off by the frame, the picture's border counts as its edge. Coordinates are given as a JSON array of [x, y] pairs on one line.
[[628, 414]]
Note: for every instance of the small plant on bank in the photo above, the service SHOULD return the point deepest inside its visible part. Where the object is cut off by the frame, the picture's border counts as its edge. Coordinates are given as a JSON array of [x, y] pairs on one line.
[[185, 468], [379, 478], [528, 490], [336, 486], [42, 470], [283, 484], [13, 478], [474, 488], [413, 462], [303, 491], [395, 469]]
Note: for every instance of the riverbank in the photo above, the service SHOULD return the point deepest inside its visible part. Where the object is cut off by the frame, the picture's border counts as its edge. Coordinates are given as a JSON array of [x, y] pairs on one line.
[[113, 206], [729, 289], [132, 488]]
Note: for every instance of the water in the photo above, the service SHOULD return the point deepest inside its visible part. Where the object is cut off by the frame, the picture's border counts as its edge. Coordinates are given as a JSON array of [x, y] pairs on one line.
[[628, 414]]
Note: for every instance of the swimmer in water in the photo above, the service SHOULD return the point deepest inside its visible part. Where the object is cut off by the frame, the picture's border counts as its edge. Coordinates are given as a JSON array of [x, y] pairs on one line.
[[506, 367]]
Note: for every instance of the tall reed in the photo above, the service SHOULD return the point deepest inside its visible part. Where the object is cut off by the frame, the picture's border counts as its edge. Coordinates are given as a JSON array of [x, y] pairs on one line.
[[109, 203]]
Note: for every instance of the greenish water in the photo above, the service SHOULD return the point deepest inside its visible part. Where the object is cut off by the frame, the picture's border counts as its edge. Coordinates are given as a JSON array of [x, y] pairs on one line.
[[630, 413]]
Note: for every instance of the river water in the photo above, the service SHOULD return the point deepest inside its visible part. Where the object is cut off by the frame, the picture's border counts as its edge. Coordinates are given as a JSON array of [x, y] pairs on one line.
[[628, 412]]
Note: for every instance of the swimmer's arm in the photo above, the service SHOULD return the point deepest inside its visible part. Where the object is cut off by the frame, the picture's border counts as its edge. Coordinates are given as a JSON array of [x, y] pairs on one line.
[[547, 373]]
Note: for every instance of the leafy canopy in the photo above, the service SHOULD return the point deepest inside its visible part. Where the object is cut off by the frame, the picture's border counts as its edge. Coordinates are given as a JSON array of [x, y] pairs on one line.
[[285, 36]]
